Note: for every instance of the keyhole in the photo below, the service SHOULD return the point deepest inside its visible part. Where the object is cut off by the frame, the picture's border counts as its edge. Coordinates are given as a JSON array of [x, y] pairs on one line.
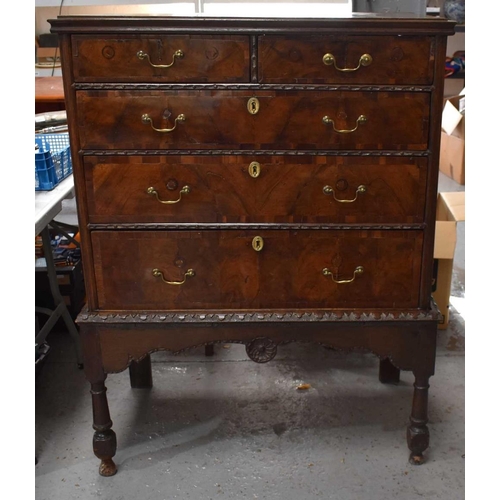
[[254, 169], [253, 105], [257, 243]]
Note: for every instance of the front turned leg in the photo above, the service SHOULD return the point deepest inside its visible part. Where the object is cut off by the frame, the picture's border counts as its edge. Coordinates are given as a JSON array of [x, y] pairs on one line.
[[388, 373], [104, 441], [418, 434]]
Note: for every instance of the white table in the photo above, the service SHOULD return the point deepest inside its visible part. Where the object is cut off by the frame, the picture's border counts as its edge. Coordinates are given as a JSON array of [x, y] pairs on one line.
[[47, 205]]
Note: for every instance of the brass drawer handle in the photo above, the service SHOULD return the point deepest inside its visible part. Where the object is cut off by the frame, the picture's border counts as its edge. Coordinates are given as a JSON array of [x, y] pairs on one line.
[[147, 119], [144, 55], [364, 60], [329, 190], [188, 274], [362, 119], [358, 270], [152, 191]]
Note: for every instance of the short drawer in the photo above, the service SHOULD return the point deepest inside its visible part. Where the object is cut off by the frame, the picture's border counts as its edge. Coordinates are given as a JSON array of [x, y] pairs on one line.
[[253, 189], [176, 58], [278, 120], [178, 270], [386, 60]]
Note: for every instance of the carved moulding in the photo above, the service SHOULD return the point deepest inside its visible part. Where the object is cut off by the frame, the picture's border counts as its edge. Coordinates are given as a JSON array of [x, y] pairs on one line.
[[190, 226], [255, 86], [252, 152], [255, 317]]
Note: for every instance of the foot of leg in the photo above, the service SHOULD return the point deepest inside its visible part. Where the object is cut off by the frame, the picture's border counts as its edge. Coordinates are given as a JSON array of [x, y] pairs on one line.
[[209, 350], [105, 448], [107, 468], [388, 373]]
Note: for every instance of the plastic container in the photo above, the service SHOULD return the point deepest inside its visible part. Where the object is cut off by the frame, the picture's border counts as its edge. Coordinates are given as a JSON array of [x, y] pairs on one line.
[[52, 160]]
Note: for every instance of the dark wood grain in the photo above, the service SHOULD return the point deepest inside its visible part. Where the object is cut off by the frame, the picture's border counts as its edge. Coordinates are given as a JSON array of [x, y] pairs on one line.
[[288, 189], [288, 120], [206, 58], [287, 273], [396, 60]]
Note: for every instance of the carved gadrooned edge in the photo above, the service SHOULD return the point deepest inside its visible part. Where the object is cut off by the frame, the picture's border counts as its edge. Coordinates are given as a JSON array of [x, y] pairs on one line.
[[252, 86], [254, 317], [194, 226], [250, 152]]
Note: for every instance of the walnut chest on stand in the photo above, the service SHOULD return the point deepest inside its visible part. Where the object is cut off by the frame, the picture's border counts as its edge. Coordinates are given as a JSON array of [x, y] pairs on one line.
[[259, 181]]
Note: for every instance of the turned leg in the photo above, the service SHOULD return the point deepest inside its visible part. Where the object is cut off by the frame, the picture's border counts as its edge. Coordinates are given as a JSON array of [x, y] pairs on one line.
[[209, 350], [104, 441], [388, 373], [418, 434], [140, 373]]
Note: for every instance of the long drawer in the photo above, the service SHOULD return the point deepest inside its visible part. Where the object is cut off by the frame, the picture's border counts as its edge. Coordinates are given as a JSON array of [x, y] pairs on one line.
[[175, 58], [267, 189], [347, 59], [169, 270], [234, 120]]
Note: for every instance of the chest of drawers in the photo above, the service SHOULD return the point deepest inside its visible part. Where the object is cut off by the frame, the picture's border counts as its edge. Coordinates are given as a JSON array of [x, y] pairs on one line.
[[259, 181]]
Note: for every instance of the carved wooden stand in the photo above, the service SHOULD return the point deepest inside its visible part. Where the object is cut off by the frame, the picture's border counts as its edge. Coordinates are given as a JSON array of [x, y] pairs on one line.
[[113, 343]]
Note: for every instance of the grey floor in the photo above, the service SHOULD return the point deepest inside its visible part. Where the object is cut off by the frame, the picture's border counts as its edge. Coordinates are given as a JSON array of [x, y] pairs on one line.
[[227, 428]]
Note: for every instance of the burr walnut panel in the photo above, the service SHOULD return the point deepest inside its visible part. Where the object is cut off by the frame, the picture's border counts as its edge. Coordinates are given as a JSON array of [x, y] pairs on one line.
[[395, 60], [245, 188], [176, 58], [228, 270], [285, 120]]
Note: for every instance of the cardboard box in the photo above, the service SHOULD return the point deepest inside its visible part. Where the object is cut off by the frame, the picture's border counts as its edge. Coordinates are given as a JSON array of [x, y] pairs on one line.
[[452, 155], [450, 210]]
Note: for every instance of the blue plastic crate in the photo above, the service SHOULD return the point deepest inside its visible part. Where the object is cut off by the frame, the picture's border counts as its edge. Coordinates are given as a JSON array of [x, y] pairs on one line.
[[52, 160]]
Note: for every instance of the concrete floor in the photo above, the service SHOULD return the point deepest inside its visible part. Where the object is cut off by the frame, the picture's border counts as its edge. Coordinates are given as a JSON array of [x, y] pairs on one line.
[[228, 428]]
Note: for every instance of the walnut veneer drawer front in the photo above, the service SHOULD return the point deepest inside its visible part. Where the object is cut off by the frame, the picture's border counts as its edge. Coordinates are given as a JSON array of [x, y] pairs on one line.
[[144, 270], [346, 59], [243, 188], [176, 58], [283, 120]]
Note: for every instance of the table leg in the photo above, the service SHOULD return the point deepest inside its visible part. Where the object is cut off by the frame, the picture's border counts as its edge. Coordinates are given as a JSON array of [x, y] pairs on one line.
[[60, 306]]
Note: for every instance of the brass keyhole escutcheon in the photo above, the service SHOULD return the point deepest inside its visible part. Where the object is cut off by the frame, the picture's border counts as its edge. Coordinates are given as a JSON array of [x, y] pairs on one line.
[[257, 243], [254, 169], [253, 105]]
